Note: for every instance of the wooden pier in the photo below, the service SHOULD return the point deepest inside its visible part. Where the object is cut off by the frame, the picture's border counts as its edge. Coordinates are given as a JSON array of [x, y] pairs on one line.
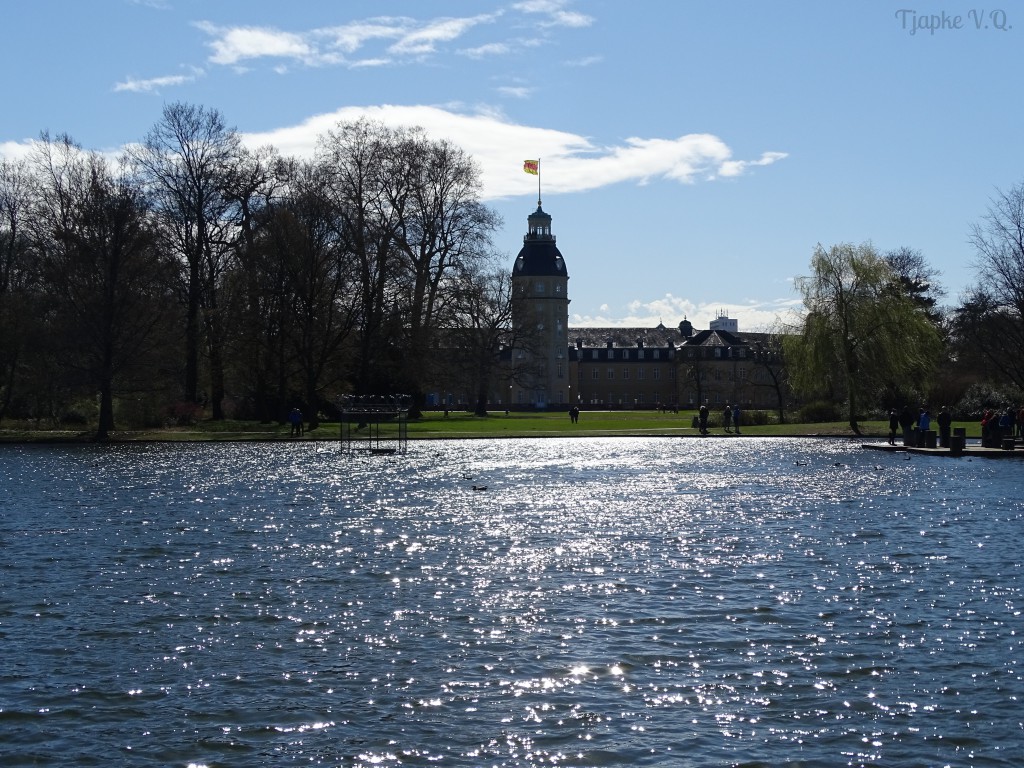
[[972, 448]]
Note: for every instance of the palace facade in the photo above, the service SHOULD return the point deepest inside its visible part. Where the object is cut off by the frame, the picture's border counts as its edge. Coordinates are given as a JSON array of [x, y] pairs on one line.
[[549, 365]]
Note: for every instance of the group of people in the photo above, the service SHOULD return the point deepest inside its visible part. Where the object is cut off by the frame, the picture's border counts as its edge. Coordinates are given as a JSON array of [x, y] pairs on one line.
[[998, 425], [730, 419], [919, 425]]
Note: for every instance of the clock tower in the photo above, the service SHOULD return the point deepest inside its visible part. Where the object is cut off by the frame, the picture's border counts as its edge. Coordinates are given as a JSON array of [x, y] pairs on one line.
[[540, 318]]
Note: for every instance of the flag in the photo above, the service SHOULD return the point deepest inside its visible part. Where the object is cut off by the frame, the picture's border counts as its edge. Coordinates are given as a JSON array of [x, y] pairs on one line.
[[530, 166]]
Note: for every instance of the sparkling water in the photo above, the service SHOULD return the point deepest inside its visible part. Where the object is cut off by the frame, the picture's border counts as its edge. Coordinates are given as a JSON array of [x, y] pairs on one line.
[[570, 602]]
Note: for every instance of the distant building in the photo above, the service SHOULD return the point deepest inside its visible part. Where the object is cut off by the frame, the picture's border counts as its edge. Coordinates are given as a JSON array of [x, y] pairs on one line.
[[553, 366], [540, 290]]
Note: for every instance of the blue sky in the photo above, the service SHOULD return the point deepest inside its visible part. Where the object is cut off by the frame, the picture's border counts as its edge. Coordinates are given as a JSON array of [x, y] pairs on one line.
[[692, 153]]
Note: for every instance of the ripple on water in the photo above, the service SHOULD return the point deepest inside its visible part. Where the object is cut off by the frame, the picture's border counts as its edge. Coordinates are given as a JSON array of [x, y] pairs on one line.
[[603, 602]]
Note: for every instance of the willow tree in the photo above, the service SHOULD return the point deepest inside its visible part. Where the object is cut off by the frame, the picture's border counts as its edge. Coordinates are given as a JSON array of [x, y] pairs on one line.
[[860, 330]]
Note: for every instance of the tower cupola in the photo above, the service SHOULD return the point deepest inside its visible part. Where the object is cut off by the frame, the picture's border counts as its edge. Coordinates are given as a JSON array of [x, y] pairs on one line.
[[539, 255]]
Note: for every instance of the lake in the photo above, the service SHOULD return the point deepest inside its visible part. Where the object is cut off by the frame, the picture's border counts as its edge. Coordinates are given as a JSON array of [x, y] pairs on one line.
[[604, 602]]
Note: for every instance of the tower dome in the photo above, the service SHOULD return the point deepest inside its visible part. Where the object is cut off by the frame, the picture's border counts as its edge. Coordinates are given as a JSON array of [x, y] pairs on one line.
[[539, 256]]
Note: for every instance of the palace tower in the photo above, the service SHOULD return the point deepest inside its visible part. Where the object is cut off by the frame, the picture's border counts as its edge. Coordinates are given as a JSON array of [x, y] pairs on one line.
[[540, 285]]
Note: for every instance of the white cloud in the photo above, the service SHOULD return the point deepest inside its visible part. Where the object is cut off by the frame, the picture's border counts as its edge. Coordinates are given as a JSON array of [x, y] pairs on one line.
[[424, 40], [155, 83], [406, 39], [490, 49], [555, 12], [232, 45], [16, 150], [738, 167], [515, 91], [409, 39], [670, 310], [569, 162], [349, 38]]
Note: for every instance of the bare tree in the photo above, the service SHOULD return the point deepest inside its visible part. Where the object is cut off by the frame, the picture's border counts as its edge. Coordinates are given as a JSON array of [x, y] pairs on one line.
[[991, 317], [769, 359], [446, 230], [320, 283], [187, 159], [371, 211], [100, 263], [16, 277]]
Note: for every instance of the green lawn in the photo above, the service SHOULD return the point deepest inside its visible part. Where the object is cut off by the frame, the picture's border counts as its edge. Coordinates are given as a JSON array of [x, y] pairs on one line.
[[463, 425]]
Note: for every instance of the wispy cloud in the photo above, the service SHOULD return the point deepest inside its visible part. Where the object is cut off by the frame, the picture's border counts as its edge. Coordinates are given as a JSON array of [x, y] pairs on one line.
[[515, 91], [569, 162], [738, 167], [489, 49], [554, 13], [384, 39], [405, 39], [586, 61], [425, 39], [152, 84]]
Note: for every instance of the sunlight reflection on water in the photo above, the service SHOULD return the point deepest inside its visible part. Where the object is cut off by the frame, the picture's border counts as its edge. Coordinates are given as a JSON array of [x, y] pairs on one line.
[[602, 602]]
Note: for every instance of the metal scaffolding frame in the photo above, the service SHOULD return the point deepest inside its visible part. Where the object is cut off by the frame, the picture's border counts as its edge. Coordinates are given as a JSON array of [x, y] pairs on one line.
[[376, 425]]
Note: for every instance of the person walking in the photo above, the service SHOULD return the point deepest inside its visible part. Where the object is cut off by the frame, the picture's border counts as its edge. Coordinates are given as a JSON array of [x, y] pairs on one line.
[[894, 425], [727, 419], [736, 417]]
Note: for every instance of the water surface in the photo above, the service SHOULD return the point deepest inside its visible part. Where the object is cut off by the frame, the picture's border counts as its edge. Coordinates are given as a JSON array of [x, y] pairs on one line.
[[604, 602]]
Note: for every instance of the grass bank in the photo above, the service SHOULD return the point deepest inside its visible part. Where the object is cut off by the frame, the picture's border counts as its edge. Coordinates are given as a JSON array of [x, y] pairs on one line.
[[464, 425]]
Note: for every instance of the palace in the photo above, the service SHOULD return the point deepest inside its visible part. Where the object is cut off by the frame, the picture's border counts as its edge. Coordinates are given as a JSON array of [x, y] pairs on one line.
[[552, 366]]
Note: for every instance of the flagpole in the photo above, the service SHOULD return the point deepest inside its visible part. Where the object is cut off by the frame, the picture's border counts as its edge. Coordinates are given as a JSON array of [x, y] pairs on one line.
[[538, 182]]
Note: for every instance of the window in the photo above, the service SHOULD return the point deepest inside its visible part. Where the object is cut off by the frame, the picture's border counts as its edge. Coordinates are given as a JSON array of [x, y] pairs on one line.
[[625, 373], [657, 354], [539, 287], [596, 374], [611, 373], [657, 373], [640, 373], [559, 371]]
